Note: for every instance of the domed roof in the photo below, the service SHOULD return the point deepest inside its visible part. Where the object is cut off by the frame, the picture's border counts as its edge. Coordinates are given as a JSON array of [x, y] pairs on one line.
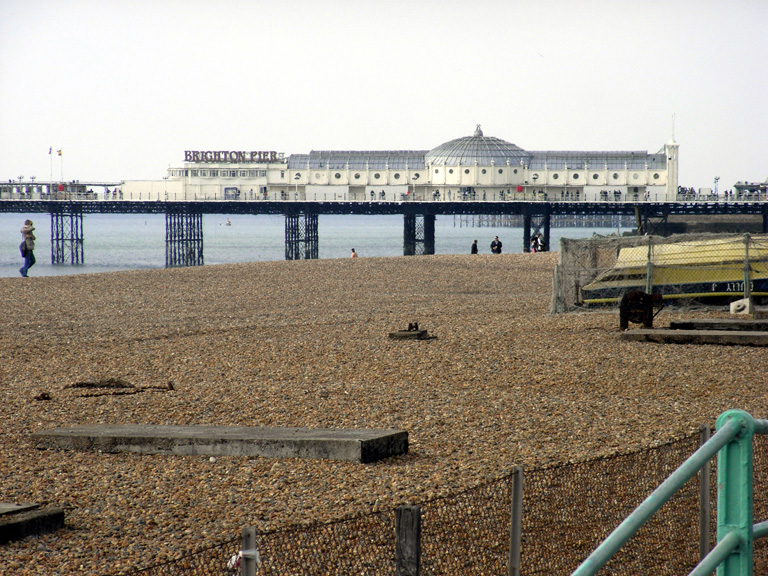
[[483, 150]]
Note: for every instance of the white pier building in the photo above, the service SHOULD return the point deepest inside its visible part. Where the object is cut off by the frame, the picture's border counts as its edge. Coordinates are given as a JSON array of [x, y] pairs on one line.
[[471, 168]]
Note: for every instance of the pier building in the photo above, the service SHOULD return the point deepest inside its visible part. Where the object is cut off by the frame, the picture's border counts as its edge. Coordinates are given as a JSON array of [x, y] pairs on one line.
[[476, 167]]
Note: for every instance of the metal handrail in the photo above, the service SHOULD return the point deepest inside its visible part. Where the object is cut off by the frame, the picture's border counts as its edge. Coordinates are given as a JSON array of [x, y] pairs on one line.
[[731, 426]]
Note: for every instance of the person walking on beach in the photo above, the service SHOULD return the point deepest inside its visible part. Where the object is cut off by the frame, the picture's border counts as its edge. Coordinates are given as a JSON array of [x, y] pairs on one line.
[[473, 250], [354, 254], [496, 246], [28, 247]]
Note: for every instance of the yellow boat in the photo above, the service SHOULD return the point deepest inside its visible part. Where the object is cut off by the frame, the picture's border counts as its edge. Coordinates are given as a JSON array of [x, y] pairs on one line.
[[699, 269]]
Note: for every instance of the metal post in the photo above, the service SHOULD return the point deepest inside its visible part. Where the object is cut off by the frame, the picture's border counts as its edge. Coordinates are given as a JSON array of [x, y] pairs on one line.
[[408, 541], [649, 267], [249, 556], [516, 527], [704, 497], [526, 233], [734, 493], [747, 268], [546, 225], [429, 233]]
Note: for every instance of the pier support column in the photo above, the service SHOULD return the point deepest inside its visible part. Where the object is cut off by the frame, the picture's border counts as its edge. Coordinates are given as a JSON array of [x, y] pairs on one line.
[[418, 234], [183, 239], [67, 234], [301, 237], [532, 225]]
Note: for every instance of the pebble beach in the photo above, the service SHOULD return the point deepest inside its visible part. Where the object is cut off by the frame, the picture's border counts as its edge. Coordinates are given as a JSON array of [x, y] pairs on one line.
[[305, 344]]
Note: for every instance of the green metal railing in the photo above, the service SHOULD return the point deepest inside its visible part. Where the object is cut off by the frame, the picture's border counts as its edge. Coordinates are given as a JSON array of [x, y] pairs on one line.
[[732, 555]]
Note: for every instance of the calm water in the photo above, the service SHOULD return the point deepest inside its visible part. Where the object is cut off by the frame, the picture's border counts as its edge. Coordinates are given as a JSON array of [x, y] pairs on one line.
[[135, 241]]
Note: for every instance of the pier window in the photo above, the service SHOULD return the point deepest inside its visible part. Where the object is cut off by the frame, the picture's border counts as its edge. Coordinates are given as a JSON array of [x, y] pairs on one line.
[[194, 173], [243, 173], [337, 175], [357, 176], [397, 176], [615, 176], [377, 175], [214, 172], [656, 176], [501, 171]]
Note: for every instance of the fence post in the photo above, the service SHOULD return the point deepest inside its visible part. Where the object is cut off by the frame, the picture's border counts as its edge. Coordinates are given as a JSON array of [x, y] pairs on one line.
[[747, 269], [649, 267], [516, 528], [408, 541], [249, 557], [704, 497]]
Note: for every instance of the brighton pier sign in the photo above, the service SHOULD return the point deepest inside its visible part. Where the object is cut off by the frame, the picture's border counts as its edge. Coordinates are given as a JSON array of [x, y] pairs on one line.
[[233, 156]]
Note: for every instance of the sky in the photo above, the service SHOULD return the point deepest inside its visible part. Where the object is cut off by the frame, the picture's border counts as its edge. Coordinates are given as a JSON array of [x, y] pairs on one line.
[[124, 87]]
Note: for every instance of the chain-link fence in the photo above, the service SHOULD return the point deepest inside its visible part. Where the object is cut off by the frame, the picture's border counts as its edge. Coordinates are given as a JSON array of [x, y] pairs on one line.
[[567, 511], [704, 268], [219, 559]]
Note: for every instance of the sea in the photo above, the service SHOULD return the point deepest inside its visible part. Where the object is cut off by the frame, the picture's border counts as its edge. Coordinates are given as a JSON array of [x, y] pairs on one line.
[[113, 242]]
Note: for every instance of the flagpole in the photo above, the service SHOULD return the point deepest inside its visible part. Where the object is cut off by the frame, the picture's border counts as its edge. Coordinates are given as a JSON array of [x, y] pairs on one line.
[[50, 158]]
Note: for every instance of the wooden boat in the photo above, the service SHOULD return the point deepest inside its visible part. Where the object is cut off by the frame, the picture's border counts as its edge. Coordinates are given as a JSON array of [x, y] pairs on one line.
[[700, 269]]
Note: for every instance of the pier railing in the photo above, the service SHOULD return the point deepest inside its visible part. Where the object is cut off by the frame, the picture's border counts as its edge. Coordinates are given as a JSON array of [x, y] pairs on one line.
[[606, 196]]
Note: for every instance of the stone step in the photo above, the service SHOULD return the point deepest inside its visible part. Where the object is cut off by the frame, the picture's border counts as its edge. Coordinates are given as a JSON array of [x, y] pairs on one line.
[[18, 521], [720, 324], [354, 445], [721, 337]]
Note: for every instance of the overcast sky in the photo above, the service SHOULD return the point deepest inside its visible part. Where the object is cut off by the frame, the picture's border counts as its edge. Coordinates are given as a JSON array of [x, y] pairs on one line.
[[124, 87]]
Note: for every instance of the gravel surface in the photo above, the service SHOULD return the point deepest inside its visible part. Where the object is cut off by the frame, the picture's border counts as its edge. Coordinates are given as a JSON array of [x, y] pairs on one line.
[[306, 344]]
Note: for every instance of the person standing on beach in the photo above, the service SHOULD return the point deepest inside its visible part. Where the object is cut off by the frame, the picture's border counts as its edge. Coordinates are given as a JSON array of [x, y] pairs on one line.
[[496, 246], [28, 240], [473, 250]]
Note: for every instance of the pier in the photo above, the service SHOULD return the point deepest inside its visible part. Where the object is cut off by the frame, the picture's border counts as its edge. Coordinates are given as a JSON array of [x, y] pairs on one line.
[[184, 236]]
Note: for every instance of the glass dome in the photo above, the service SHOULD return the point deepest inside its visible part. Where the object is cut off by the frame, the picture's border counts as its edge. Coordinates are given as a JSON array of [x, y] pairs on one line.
[[476, 149]]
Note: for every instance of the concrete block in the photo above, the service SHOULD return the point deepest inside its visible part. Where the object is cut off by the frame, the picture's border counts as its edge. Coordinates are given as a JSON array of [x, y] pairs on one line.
[[20, 521], [354, 445], [743, 306]]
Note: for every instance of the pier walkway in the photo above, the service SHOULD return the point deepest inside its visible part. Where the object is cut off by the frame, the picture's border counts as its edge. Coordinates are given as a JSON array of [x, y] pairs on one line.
[[184, 236]]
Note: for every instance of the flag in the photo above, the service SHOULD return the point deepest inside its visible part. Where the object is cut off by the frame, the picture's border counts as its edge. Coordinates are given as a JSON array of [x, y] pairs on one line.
[[50, 149], [59, 152]]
